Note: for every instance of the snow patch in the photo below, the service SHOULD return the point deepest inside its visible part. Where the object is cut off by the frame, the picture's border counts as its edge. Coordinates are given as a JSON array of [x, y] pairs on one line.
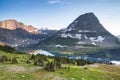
[[93, 43], [66, 35], [100, 38], [97, 39], [61, 46], [69, 29], [63, 35], [86, 31], [14, 45], [75, 22], [85, 37], [77, 36], [81, 42]]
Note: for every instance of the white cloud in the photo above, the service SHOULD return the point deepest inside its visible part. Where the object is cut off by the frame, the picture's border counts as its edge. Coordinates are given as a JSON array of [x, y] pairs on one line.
[[53, 1]]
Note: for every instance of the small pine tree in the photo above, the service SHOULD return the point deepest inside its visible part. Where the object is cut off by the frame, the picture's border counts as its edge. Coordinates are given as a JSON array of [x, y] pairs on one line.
[[28, 62], [81, 62], [50, 66], [14, 60], [41, 62], [3, 59], [47, 67], [35, 61], [32, 57], [58, 65]]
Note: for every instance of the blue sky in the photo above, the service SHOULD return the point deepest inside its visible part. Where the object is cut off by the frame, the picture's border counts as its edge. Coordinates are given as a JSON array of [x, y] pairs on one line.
[[57, 14]]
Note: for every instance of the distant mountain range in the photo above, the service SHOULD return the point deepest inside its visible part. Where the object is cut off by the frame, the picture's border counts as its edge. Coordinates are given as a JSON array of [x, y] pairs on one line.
[[12, 24], [84, 36], [17, 34]]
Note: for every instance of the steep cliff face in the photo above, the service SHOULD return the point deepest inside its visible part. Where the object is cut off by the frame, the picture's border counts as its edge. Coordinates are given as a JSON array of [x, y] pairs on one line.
[[18, 37], [13, 24]]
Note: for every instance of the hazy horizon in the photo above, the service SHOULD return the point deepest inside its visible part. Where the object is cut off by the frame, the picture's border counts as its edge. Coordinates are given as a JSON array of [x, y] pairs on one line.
[[57, 14]]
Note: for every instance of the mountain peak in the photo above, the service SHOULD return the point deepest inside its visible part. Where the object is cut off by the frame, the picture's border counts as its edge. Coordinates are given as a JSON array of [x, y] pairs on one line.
[[87, 29], [87, 18], [88, 14], [12, 24]]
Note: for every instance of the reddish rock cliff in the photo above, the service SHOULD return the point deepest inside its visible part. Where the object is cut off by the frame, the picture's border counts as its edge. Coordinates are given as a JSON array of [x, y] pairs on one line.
[[13, 24]]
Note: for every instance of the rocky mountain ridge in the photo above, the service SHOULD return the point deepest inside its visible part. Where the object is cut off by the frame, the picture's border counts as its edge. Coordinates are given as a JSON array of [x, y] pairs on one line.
[[17, 34], [12, 24]]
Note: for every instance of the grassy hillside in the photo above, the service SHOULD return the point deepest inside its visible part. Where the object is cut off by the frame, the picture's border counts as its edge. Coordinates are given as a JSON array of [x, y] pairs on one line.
[[5, 48], [28, 71], [92, 72]]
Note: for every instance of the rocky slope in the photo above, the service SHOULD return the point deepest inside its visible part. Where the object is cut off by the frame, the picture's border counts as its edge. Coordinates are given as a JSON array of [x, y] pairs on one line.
[[17, 34], [18, 37]]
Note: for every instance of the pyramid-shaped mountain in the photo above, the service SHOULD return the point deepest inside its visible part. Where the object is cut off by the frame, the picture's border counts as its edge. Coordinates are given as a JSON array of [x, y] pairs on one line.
[[85, 30]]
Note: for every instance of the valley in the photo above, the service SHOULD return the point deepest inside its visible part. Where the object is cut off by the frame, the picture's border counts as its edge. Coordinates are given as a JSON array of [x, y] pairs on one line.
[[84, 50], [59, 40]]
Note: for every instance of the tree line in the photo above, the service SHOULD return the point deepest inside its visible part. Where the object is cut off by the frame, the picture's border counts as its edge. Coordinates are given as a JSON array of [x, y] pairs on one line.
[[50, 63]]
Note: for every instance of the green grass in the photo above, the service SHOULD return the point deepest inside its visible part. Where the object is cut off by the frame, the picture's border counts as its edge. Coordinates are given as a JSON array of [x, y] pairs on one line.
[[20, 57], [91, 73], [23, 71]]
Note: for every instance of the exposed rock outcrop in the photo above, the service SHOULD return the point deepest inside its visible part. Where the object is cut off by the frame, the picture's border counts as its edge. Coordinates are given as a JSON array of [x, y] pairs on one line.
[[13, 24]]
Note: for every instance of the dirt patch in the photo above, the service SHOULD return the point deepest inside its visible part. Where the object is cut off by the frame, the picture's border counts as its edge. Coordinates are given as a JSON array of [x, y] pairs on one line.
[[94, 65], [59, 78], [53, 77], [16, 69]]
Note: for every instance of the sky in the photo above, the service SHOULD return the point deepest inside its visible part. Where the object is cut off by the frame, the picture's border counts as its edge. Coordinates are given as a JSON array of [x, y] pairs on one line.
[[57, 14]]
